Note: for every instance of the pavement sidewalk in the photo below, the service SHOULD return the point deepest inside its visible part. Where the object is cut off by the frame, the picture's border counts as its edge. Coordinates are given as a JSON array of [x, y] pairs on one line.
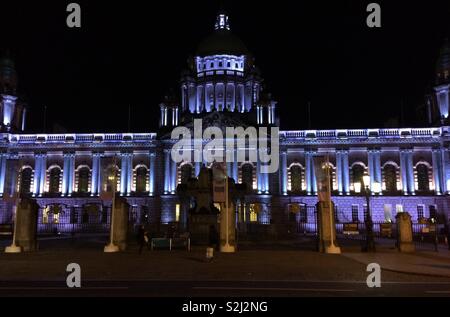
[[421, 262]]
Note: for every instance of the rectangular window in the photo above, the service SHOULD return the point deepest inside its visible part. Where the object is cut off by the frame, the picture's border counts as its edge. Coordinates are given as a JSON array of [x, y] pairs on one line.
[[388, 212], [433, 212], [365, 212], [355, 210], [399, 208], [420, 212]]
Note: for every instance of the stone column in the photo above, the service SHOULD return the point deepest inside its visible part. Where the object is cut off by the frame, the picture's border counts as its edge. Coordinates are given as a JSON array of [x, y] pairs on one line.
[[37, 174], [123, 174], [313, 174], [346, 174], [167, 160], [266, 183], [71, 176], [371, 165], [410, 175], [3, 158], [339, 172], [151, 174], [403, 171], [309, 168], [233, 100], [197, 168], [436, 158], [161, 122], [377, 166], [207, 104], [43, 174], [235, 166], [26, 224], [120, 230], [173, 164], [65, 175], [95, 176], [283, 173], [259, 183], [404, 229], [129, 173]]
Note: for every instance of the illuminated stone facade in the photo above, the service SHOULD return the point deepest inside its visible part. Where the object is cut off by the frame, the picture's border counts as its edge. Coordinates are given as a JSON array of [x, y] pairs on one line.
[[409, 168]]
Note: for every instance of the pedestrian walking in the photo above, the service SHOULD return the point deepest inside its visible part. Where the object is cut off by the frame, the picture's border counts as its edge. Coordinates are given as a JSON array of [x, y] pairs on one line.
[[143, 238]]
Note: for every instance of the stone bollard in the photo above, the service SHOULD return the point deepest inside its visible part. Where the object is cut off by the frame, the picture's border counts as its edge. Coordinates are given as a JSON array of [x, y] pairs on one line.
[[26, 226], [121, 223], [404, 232], [209, 254]]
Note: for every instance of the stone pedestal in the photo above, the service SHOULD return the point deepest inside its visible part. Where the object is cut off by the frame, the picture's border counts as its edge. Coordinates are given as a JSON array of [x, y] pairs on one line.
[[199, 227], [26, 224], [327, 228], [229, 226], [120, 229], [404, 230]]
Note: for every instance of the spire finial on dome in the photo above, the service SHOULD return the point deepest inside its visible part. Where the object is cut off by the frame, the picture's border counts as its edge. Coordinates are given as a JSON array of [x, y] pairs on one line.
[[222, 21]]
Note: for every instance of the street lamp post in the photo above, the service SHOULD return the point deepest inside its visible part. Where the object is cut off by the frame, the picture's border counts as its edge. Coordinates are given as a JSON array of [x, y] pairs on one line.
[[370, 244]]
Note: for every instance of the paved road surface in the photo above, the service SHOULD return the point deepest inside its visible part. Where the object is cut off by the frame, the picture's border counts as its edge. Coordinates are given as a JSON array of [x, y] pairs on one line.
[[222, 288]]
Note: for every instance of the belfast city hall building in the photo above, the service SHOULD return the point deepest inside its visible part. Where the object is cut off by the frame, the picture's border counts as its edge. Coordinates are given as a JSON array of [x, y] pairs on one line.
[[409, 168]]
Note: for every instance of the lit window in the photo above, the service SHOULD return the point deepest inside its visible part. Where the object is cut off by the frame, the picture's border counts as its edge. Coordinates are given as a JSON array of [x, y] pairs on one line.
[[387, 212], [177, 212], [45, 215], [56, 218], [253, 216]]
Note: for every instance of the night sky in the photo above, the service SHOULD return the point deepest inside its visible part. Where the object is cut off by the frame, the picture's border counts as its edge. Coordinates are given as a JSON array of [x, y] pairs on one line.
[[132, 53]]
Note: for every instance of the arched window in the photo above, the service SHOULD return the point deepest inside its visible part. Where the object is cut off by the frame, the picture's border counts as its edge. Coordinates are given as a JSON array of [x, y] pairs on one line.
[[25, 180], [54, 180], [296, 178], [185, 173], [390, 177], [247, 175], [83, 179], [423, 181], [141, 179]]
